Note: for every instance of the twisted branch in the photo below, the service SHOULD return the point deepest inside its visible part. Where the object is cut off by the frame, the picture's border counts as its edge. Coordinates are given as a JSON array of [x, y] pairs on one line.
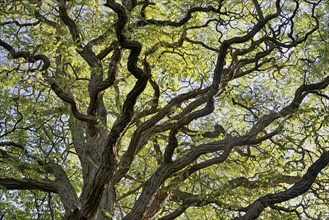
[[92, 194], [256, 208], [51, 81]]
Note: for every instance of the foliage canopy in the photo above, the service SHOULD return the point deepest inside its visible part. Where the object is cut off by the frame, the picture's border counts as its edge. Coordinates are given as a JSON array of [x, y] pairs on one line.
[[164, 109]]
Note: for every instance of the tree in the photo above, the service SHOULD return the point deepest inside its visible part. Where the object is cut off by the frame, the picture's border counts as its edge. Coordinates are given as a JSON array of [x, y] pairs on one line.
[[164, 109]]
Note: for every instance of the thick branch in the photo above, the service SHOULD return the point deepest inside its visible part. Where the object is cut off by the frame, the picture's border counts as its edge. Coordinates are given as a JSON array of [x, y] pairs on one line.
[[86, 52], [111, 76], [134, 146], [107, 50], [299, 188], [27, 184], [168, 169], [92, 194], [51, 81], [258, 9], [26, 55], [69, 99], [172, 143], [178, 23], [64, 188], [300, 94]]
